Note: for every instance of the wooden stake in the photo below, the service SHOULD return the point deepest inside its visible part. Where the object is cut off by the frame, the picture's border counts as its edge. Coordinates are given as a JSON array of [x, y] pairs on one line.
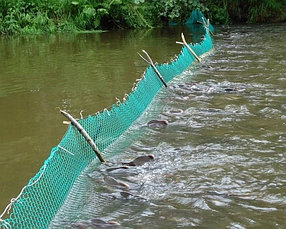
[[207, 25], [188, 47], [84, 133], [150, 61]]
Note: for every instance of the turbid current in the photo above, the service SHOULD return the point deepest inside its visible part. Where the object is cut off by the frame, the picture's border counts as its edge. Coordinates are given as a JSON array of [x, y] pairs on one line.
[[221, 160]]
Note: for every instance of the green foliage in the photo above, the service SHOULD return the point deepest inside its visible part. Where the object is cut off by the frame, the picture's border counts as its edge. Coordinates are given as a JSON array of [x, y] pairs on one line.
[[266, 10], [130, 15], [177, 10], [249, 11], [40, 16], [49, 16], [218, 12], [25, 17]]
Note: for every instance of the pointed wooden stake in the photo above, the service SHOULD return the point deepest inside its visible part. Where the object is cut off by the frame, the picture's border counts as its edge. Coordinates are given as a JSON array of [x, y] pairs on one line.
[[84, 133], [150, 61], [207, 25], [188, 47]]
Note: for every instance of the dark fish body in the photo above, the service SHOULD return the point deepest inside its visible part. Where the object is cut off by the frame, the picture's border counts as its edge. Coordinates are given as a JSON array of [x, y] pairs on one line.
[[116, 168], [158, 123], [95, 223], [79, 225], [126, 194], [176, 111], [99, 223], [230, 90], [140, 160], [112, 182]]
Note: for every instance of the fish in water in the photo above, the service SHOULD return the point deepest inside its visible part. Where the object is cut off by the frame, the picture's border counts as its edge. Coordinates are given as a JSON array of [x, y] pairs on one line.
[[99, 223], [176, 111], [95, 223], [116, 168], [128, 195], [140, 160], [79, 225], [230, 90], [208, 89], [158, 123], [112, 182]]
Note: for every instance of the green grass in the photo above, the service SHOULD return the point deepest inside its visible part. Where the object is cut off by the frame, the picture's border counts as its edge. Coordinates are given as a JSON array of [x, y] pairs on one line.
[[51, 16]]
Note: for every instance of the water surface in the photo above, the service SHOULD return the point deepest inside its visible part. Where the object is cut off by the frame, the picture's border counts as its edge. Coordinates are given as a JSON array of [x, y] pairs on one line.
[[220, 163], [75, 72]]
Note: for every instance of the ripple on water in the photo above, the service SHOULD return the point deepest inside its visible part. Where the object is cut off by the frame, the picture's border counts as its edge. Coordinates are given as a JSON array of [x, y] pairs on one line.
[[220, 162]]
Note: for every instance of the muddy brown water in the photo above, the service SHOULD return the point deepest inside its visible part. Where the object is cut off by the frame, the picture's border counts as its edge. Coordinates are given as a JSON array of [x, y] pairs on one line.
[[220, 163]]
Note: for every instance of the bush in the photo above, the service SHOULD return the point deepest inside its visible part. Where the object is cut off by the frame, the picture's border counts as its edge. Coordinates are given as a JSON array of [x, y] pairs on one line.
[[176, 10], [48, 16]]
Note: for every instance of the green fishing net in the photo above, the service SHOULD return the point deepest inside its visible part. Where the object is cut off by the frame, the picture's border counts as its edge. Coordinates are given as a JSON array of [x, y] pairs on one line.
[[41, 199]]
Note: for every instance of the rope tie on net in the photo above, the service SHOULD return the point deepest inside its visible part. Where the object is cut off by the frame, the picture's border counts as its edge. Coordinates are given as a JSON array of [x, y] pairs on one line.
[[64, 149], [107, 111], [117, 101], [13, 200], [125, 98]]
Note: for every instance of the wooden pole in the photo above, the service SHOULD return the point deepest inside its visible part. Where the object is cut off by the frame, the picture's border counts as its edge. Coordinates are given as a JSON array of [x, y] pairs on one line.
[[188, 47], [150, 61], [84, 133], [207, 25]]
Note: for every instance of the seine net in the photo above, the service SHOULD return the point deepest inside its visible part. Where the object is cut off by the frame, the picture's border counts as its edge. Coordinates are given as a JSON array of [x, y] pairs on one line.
[[41, 199]]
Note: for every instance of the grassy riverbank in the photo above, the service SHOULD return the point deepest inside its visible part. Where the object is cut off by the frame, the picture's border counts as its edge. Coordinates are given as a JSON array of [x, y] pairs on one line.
[[50, 16]]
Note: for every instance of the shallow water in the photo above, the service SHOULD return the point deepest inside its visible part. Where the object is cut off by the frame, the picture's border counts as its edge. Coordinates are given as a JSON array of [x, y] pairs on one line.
[[76, 72], [220, 163]]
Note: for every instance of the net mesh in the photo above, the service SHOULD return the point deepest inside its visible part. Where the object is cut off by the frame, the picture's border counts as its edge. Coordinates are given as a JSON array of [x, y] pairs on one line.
[[46, 192]]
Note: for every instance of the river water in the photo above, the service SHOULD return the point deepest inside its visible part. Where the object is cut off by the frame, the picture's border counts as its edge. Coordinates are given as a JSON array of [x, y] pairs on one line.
[[220, 163]]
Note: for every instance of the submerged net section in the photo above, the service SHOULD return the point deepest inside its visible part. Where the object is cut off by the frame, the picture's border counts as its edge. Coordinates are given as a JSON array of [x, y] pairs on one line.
[[40, 200]]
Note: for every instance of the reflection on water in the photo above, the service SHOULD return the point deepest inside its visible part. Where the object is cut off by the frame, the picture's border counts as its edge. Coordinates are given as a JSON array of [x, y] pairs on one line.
[[74, 72], [220, 163]]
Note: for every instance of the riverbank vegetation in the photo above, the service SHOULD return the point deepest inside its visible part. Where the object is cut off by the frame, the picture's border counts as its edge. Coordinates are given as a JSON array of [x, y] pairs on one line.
[[49, 16]]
